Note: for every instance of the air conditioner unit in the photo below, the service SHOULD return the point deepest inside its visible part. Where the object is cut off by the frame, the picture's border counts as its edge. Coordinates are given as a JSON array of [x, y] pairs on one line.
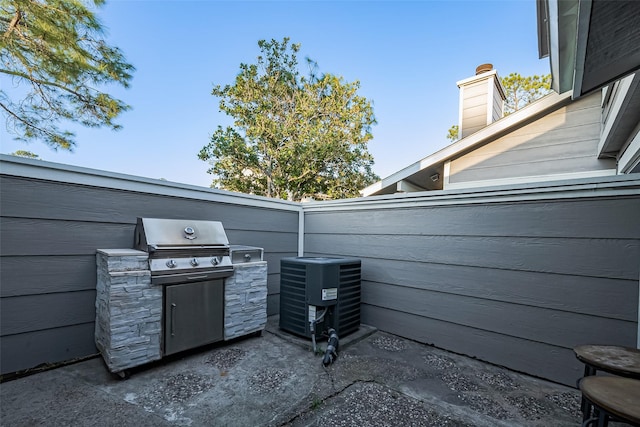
[[322, 290]]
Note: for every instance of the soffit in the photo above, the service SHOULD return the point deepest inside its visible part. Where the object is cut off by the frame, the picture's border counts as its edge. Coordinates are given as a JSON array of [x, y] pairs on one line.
[[612, 47]]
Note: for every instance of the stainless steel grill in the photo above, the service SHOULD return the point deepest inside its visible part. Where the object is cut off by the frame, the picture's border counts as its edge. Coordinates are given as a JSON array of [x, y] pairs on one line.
[[190, 259], [183, 251]]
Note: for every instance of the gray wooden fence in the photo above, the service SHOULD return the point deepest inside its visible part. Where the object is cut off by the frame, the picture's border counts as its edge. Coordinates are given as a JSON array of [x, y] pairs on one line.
[[54, 217], [515, 277]]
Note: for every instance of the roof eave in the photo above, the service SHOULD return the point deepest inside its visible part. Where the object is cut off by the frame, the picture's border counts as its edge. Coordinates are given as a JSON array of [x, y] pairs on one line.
[[509, 123], [578, 36]]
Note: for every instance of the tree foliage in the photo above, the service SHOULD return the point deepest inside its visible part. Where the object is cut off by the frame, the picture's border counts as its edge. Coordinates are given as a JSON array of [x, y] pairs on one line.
[[25, 154], [519, 91], [452, 133], [294, 136], [54, 53]]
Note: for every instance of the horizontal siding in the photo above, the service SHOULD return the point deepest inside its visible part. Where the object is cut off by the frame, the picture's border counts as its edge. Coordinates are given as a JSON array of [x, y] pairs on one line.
[[475, 98], [90, 204], [476, 115], [533, 358], [54, 274], [39, 312], [49, 233], [526, 139], [270, 241], [537, 168], [580, 294], [523, 155], [70, 273], [474, 107], [22, 237], [609, 218], [273, 282], [31, 349], [569, 329], [273, 294], [564, 141], [30, 237], [476, 89], [514, 283], [273, 304], [581, 257], [497, 112]]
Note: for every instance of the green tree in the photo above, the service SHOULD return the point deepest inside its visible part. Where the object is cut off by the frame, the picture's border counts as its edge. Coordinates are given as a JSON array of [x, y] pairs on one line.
[[25, 154], [452, 134], [294, 136], [519, 91], [57, 59]]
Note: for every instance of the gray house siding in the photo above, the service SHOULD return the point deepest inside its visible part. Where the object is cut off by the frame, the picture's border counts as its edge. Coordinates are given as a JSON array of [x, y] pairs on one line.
[[50, 231], [565, 141], [517, 282]]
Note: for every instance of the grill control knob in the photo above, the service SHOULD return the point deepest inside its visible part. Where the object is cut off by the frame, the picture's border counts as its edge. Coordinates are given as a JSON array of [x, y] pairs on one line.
[[194, 262], [172, 264], [215, 261], [189, 233]]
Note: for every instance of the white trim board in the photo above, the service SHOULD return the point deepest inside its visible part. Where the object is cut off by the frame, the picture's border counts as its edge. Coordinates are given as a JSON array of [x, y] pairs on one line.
[[526, 179], [631, 156], [605, 186], [619, 102], [301, 232]]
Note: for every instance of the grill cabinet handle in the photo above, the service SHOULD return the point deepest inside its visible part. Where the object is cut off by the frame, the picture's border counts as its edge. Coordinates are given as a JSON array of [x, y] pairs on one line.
[[173, 307]]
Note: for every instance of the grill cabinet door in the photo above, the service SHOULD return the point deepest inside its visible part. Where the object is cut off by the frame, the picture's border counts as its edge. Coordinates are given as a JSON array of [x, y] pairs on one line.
[[193, 315]]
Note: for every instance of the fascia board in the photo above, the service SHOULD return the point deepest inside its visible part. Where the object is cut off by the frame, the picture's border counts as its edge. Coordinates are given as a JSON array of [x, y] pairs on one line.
[[563, 16], [582, 36], [631, 156], [621, 98], [477, 77], [542, 14], [554, 45]]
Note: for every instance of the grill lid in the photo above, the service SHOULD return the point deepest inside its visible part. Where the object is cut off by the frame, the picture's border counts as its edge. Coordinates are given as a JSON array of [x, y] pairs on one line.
[[183, 251], [154, 234]]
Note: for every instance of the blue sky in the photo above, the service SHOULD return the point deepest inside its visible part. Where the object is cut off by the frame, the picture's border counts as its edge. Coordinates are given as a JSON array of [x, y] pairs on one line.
[[407, 56]]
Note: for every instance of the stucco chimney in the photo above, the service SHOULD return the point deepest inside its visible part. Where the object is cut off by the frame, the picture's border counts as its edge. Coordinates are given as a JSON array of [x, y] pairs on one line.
[[481, 100]]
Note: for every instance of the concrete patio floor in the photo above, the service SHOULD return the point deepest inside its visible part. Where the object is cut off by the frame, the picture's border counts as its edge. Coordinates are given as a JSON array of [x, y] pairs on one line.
[[274, 380]]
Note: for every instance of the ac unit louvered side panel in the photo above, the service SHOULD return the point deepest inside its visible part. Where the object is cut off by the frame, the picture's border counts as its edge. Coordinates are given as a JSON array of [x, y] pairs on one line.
[[293, 314], [348, 307]]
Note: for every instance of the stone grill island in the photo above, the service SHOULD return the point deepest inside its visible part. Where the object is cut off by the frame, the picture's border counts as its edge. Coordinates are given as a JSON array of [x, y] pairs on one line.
[[129, 307]]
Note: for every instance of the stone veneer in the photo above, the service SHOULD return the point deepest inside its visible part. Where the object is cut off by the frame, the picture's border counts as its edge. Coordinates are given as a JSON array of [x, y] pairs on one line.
[[128, 309], [245, 300]]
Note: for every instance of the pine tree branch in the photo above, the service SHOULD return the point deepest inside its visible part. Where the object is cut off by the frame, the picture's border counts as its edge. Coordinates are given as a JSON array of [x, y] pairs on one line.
[[36, 81], [27, 123], [14, 22]]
